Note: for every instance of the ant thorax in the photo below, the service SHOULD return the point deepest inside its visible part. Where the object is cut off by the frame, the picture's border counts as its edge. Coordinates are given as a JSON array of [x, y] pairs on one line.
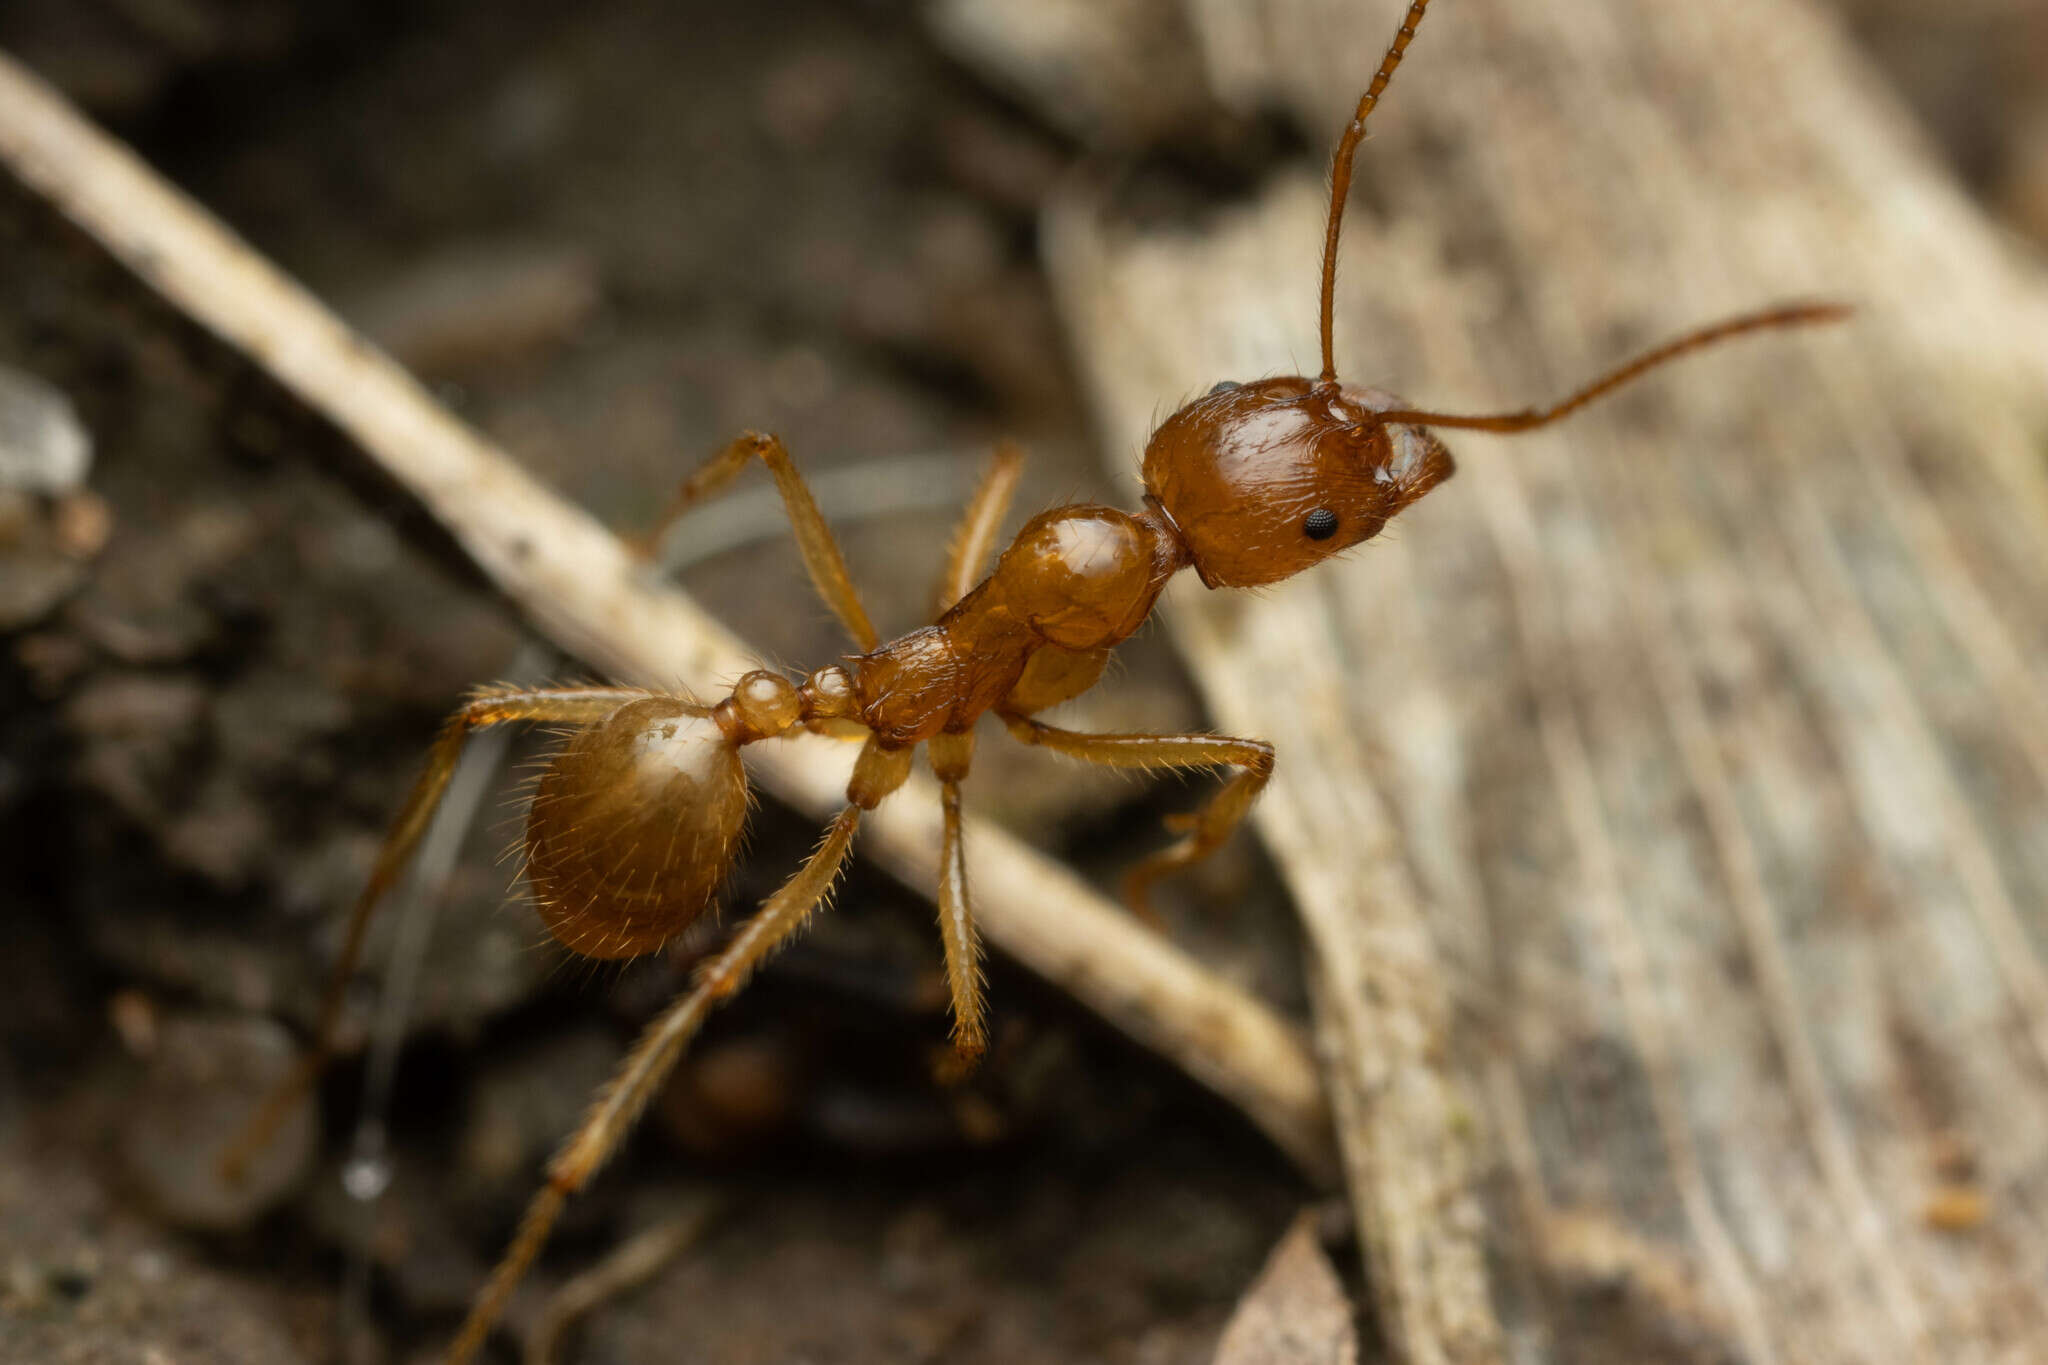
[[1076, 581], [1263, 480]]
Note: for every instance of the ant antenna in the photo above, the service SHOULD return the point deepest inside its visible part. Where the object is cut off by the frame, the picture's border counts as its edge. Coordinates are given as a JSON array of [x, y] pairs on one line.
[[1340, 174], [1784, 315]]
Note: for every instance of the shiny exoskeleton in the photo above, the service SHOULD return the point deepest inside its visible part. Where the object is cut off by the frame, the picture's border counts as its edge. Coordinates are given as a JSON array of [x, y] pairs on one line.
[[636, 820]]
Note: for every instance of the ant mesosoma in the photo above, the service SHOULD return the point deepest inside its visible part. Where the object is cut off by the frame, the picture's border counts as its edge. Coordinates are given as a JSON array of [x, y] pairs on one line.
[[635, 821]]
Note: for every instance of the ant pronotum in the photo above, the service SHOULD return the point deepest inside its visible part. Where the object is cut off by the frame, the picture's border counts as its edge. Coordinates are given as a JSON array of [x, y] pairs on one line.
[[635, 821]]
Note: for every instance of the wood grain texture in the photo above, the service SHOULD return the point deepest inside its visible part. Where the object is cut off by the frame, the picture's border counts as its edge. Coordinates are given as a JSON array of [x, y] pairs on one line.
[[1667, 796], [1295, 1313]]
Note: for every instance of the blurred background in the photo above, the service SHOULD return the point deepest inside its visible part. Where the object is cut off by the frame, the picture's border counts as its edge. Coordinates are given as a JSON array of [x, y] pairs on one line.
[[612, 235]]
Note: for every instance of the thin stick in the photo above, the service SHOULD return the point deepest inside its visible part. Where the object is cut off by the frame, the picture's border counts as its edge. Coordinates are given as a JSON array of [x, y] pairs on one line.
[[632, 1264], [486, 708], [366, 1174]]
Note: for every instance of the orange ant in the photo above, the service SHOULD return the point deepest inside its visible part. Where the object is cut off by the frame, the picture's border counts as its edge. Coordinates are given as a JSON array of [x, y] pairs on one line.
[[636, 819]]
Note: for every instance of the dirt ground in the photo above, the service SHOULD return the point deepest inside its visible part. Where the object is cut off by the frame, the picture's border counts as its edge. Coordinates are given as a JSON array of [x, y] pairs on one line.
[[612, 235], [613, 240]]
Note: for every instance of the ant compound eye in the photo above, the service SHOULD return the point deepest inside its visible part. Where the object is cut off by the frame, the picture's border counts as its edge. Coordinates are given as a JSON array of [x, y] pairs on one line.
[[1320, 524], [1222, 386]]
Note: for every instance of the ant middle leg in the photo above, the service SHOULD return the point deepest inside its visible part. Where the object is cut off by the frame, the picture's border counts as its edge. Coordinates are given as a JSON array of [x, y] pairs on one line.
[[1202, 831], [814, 539], [951, 756], [878, 772], [488, 707]]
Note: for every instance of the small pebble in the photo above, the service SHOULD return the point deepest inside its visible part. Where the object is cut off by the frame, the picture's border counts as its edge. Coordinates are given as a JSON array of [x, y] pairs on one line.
[[483, 306], [44, 448], [732, 1094], [134, 1017], [83, 524], [204, 1081]]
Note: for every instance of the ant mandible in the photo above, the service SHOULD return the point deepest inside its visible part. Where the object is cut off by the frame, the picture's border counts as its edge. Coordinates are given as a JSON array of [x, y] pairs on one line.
[[637, 818]]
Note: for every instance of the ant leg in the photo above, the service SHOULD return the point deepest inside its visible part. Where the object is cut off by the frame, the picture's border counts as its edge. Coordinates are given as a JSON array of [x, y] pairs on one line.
[[975, 537], [497, 706], [814, 539], [1206, 828], [622, 1098], [876, 773], [951, 755]]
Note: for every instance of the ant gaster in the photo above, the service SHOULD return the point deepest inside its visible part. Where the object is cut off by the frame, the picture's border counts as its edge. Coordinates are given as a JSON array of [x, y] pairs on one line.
[[636, 820]]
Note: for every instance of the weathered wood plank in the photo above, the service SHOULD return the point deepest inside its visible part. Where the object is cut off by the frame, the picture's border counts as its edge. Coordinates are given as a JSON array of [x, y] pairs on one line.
[[1666, 797]]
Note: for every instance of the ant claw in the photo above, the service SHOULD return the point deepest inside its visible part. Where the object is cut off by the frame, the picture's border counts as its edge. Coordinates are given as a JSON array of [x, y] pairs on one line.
[[955, 1065]]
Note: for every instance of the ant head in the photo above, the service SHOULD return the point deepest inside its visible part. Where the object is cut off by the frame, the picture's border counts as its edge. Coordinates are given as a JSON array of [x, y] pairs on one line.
[[1264, 480]]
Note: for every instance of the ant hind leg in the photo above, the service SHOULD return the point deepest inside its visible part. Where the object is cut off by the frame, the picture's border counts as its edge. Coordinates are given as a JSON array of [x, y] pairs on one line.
[[488, 707], [1205, 829], [975, 537], [878, 772], [619, 1103]]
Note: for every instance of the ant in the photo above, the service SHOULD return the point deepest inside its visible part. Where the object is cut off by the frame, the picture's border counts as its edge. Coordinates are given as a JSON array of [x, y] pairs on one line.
[[636, 819]]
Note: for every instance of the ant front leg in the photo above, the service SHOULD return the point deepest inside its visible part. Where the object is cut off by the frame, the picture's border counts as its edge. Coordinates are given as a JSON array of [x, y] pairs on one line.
[[1207, 828], [814, 539], [492, 706], [975, 537], [878, 772]]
